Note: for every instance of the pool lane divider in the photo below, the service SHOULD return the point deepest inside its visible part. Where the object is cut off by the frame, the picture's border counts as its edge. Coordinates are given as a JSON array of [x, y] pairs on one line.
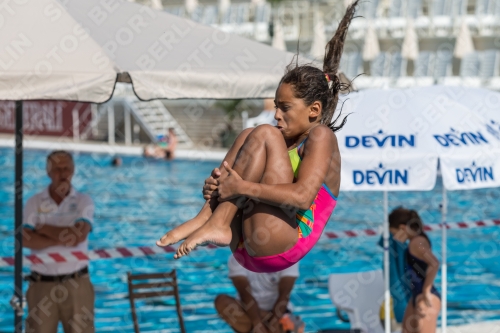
[[428, 227], [143, 251]]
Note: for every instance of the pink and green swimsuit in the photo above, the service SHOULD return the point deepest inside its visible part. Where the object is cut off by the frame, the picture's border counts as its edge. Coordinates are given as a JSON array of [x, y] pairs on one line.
[[311, 223]]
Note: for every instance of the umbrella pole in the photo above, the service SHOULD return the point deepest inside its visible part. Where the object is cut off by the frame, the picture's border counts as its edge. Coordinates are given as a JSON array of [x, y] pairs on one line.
[[387, 294], [18, 206], [444, 272]]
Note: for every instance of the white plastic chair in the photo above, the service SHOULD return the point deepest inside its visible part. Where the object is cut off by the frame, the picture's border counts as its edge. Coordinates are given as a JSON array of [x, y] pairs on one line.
[[360, 295]]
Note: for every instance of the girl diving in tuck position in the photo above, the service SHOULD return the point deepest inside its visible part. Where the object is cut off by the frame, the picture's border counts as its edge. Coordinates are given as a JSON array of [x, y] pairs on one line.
[[278, 185]]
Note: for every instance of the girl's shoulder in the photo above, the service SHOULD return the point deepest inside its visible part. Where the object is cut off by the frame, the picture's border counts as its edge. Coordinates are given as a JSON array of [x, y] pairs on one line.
[[321, 138], [322, 133], [419, 244], [419, 239]]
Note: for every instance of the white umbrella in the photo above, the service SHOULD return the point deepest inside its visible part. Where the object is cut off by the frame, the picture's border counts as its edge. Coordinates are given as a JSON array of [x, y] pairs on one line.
[[383, 7], [223, 7], [319, 38], [409, 49], [176, 58], [483, 101], [156, 4], [191, 5], [164, 56], [464, 44], [56, 54], [371, 48], [394, 138], [278, 37]]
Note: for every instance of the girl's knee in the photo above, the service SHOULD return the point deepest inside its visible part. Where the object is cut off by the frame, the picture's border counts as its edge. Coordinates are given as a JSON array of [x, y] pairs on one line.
[[266, 129], [260, 134], [243, 135]]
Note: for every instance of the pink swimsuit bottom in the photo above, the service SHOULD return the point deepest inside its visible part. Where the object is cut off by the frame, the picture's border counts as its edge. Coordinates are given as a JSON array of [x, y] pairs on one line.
[[310, 223]]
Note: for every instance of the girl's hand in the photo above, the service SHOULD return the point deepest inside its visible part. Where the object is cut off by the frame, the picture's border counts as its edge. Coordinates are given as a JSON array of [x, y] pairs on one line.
[[228, 188], [422, 302], [211, 184]]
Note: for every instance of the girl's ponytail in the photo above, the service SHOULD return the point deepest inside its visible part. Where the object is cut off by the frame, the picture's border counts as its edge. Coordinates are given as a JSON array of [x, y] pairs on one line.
[[331, 65], [313, 84]]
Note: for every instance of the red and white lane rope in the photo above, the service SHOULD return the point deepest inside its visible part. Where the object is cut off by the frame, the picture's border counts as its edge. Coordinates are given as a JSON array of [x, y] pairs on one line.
[[431, 227], [142, 251], [60, 257]]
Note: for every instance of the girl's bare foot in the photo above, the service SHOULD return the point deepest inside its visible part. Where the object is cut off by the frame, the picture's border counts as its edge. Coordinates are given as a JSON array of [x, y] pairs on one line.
[[187, 228], [210, 232]]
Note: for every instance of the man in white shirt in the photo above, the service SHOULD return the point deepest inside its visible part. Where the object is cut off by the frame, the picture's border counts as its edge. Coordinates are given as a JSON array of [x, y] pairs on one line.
[[262, 300], [58, 219]]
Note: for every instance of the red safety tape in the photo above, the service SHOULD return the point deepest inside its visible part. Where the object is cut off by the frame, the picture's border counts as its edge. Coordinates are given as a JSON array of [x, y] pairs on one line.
[[123, 252], [80, 255], [102, 253], [8, 260], [57, 257], [34, 259], [146, 250]]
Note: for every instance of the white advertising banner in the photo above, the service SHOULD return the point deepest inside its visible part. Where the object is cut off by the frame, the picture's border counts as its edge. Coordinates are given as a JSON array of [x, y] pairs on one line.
[[394, 128], [377, 173], [466, 173]]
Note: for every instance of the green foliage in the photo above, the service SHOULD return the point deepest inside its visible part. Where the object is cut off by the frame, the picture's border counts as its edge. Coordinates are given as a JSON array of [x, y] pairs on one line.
[[231, 107], [274, 2]]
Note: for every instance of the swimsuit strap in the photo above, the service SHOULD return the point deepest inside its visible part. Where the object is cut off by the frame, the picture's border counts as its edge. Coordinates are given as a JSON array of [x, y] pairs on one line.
[[300, 146], [295, 157]]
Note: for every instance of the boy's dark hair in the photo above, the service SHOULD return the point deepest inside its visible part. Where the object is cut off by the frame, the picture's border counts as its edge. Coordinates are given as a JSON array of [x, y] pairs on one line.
[[408, 217], [310, 83]]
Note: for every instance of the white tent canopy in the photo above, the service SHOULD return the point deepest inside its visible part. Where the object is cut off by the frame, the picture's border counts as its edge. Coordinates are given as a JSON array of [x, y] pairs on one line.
[[77, 50], [51, 57], [393, 139]]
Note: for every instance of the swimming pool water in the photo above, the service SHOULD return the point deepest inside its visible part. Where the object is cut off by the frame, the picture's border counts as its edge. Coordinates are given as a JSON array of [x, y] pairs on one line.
[[138, 202]]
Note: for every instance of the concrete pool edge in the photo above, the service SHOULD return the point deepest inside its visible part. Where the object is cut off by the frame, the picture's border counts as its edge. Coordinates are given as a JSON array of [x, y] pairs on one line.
[[104, 148]]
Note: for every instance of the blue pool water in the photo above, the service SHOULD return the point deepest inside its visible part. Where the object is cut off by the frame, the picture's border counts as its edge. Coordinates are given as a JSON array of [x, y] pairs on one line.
[[138, 202]]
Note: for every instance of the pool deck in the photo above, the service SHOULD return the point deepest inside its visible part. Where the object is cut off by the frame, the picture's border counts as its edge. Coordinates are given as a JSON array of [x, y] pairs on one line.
[[53, 143], [483, 327]]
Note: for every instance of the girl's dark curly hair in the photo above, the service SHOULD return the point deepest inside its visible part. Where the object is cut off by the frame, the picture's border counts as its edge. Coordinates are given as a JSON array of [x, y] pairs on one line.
[[310, 83], [408, 217]]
